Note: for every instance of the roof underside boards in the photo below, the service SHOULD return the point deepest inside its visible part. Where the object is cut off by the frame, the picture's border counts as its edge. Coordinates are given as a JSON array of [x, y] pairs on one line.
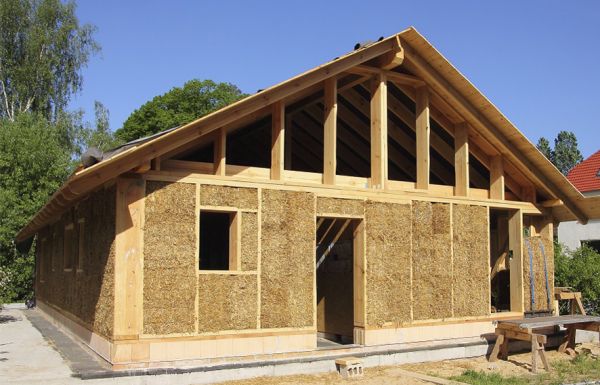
[[420, 58], [586, 175]]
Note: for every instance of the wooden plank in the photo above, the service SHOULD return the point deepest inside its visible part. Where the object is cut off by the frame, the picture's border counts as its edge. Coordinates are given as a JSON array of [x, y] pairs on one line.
[[359, 269], [497, 178], [289, 124], [515, 244], [393, 58], [330, 131], [423, 134], [278, 141], [219, 152], [379, 136], [461, 159], [235, 244], [496, 349], [128, 257]]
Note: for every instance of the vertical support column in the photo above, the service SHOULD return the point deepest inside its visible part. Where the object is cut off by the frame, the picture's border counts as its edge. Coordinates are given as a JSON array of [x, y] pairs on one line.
[[128, 257], [515, 246], [379, 150], [220, 151], [423, 134], [359, 269], [461, 159], [330, 131], [496, 178], [278, 140]]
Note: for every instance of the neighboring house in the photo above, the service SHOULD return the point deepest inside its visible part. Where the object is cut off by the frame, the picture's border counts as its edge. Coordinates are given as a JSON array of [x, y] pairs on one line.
[[586, 178], [378, 199]]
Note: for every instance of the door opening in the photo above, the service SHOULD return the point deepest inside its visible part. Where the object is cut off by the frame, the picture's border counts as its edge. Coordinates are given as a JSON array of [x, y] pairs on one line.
[[500, 257], [336, 255]]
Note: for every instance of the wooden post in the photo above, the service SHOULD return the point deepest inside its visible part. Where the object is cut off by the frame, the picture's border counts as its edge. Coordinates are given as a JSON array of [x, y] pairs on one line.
[[423, 134], [515, 245], [379, 155], [496, 178], [220, 150], [461, 159], [278, 140], [330, 129], [128, 258]]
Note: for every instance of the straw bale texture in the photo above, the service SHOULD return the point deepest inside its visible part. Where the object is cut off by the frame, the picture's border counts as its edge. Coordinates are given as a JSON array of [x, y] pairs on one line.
[[388, 238], [89, 294], [249, 241], [240, 197], [227, 302], [287, 259], [431, 260], [471, 261], [169, 258], [539, 274], [340, 206]]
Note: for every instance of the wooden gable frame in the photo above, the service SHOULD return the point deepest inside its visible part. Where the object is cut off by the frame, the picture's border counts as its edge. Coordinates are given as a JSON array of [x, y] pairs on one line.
[[439, 91]]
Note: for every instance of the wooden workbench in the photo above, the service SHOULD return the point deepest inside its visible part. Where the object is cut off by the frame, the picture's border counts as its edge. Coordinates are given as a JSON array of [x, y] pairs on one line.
[[525, 330]]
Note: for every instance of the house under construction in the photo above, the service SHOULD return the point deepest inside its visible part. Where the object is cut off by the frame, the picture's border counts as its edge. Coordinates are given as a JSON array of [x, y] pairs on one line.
[[377, 199]]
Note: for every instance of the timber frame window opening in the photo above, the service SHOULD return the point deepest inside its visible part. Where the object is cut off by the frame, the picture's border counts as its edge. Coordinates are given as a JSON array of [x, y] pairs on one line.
[[219, 238], [80, 245], [70, 247]]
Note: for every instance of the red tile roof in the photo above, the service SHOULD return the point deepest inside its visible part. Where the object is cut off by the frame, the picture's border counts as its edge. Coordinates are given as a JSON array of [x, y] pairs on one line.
[[586, 175]]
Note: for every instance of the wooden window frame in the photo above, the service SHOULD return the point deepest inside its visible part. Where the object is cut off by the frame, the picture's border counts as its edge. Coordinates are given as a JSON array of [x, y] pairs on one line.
[[235, 238], [81, 245], [67, 247], [41, 256]]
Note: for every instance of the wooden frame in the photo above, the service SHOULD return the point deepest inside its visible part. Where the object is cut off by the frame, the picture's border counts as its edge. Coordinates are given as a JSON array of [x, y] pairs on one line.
[[330, 132], [423, 135], [82, 246], [379, 132], [68, 257], [515, 245], [235, 236]]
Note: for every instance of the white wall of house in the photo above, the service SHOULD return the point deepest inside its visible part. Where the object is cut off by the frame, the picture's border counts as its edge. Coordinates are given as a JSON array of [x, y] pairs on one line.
[[572, 233]]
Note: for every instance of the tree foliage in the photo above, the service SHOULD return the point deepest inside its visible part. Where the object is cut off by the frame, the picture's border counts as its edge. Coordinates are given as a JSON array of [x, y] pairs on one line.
[[33, 164], [42, 51], [178, 106], [565, 155], [579, 269], [100, 136]]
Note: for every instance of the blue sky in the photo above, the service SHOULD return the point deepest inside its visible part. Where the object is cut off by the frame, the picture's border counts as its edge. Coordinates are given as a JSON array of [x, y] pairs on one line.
[[537, 61]]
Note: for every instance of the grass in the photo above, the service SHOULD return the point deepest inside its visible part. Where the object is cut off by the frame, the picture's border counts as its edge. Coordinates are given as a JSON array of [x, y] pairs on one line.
[[582, 368]]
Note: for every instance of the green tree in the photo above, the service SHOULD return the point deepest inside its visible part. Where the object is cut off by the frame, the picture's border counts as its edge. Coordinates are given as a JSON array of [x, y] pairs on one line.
[[565, 155], [33, 164], [178, 106], [544, 146], [579, 269], [42, 51], [101, 136]]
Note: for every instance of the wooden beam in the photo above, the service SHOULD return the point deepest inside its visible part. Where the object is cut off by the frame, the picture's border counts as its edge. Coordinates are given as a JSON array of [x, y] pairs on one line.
[[379, 136], [416, 64], [461, 159], [393, 58], [395, 77], [128, 257], [219, 152], [289, 125], [330, 131], [423, 135], [277, 140], [496, 178], [515, 246]]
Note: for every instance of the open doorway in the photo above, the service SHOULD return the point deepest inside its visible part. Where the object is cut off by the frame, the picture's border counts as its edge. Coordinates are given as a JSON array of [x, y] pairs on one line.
[[338, 250], [499, 260]]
